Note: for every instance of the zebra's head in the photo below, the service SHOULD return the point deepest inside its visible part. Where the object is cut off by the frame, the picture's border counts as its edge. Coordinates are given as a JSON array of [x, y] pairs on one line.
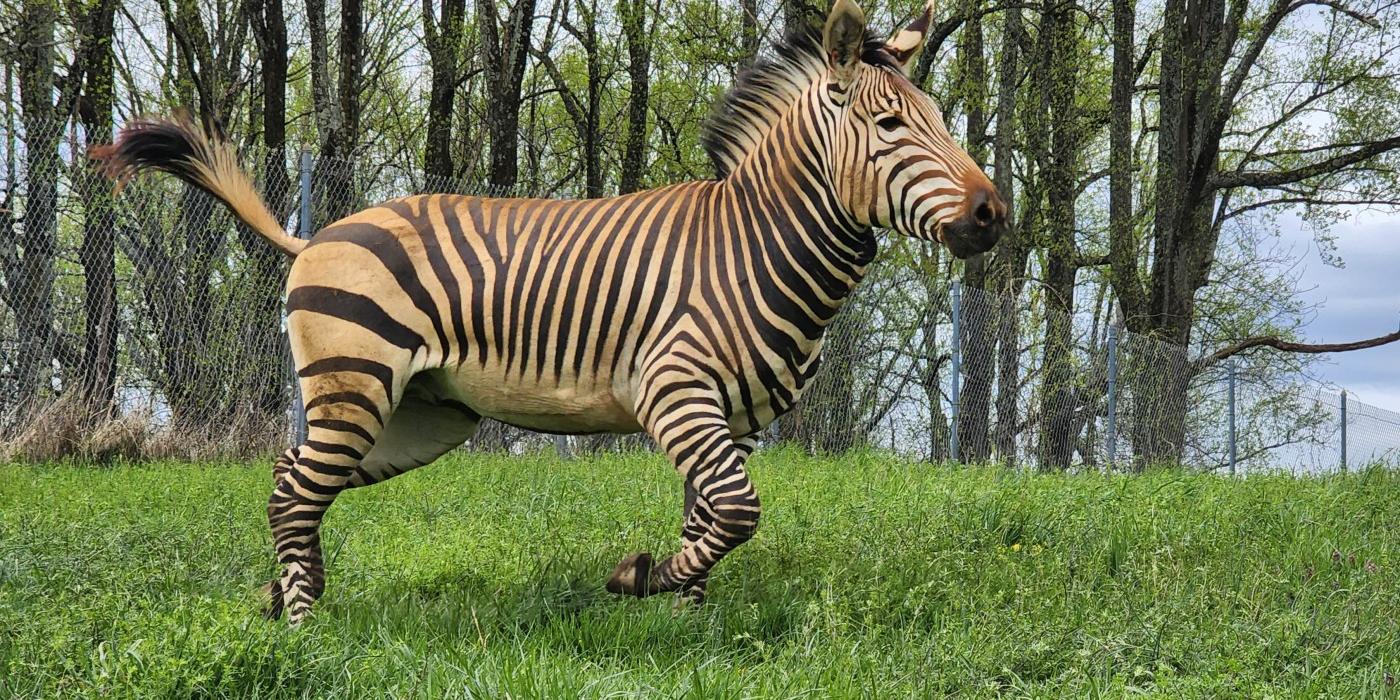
[[894, 163]]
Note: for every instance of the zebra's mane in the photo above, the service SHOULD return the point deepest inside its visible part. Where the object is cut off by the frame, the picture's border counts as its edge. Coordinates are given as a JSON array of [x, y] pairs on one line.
[[764, 91]]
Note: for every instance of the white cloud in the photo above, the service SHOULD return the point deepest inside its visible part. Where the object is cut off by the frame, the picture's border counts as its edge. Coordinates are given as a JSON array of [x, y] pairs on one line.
[[1360, 300]]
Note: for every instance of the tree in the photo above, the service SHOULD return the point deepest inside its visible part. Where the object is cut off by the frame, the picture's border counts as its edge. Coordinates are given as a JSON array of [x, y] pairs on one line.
[[97, 253], [270, 31], [1007, 268], [639, 47], [1215, 159], [30, 277], [337, 106], [1059, 40], [978, 362], [798, 14], [585, 111], [504, 48], [442, 37]]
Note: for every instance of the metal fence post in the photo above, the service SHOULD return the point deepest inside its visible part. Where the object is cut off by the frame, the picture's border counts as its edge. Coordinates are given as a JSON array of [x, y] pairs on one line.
[[1230, 367], [1112, 427], [1344, 431], [303, 231], [953, 397]]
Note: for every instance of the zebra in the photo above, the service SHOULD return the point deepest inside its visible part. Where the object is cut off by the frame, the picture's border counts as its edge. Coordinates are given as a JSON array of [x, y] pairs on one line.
[[692, 312]]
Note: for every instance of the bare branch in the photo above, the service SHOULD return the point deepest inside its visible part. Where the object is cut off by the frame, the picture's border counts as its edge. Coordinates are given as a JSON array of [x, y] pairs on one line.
[[1309, 200], [1289, 346], [1266, 178]]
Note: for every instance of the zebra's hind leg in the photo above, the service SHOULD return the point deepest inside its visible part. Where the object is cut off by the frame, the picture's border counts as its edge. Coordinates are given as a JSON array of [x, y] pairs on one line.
[[283, 464], [345, 415], [347, 431], [323, 468], [272, 592]]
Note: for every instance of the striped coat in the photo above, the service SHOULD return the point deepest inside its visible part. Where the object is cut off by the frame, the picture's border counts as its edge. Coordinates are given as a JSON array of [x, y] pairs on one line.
[[693, 312]]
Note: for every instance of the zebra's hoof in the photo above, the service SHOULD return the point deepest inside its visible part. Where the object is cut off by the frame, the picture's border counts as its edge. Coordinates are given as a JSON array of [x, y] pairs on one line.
[[272, 600], [630, 576]]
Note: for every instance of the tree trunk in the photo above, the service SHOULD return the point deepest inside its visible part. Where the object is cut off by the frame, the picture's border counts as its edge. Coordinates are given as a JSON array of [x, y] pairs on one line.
[[1192, 63], [443, 40], [1008, 264], [337, 108], [977, 368], [634, 27], [270, 396], [592, 143], [504, 48], [1057, 391], [748, 34], [33, 281], [97, 253], [800, 15], [938, 433]]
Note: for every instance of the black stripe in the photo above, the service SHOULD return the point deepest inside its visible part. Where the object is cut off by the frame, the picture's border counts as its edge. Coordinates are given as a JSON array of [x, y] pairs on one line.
[[350, 397], [306, 483], [476, 272], [379, 371], [427, 235], [357, 309], [438, 260], [332, 448], [341, 426], [606, 219], [382, 244]]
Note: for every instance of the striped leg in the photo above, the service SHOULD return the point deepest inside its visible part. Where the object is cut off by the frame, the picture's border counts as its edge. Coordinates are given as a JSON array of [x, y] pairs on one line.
[[726, 509], [283, 464], [341, 429], [351, 443], [693, 529]]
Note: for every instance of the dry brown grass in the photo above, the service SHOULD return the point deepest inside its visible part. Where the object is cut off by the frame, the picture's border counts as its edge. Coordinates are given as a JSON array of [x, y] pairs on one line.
[[71, 429]]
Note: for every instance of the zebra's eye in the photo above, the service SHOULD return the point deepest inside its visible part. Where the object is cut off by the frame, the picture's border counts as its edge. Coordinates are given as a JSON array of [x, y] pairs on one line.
[[889, 122]]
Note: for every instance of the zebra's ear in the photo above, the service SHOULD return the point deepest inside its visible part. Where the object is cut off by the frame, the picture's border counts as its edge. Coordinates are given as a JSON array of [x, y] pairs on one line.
[[907, 43], [842, 39]]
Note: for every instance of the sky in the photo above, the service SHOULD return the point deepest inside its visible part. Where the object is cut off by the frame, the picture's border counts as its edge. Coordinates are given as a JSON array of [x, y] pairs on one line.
[[1360, 300]]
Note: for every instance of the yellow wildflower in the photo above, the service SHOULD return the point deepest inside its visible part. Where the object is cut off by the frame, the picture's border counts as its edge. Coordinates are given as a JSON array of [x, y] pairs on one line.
[[1016, 547]]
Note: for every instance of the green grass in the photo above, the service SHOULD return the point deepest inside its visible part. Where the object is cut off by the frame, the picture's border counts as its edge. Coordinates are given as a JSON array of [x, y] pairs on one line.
[[482, 577]]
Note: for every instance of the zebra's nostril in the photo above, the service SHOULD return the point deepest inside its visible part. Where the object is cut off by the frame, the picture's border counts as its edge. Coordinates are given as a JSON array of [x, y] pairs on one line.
[[983, 214]]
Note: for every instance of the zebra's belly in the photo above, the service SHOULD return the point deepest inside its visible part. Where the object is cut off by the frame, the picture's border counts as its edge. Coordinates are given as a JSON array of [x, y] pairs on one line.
[[544, 405]]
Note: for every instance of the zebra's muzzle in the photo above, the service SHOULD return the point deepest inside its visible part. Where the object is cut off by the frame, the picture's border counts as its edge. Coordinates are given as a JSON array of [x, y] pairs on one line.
[[981, 225]]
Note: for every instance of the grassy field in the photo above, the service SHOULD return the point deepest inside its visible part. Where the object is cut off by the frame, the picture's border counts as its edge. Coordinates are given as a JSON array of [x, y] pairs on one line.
[[482, 577]]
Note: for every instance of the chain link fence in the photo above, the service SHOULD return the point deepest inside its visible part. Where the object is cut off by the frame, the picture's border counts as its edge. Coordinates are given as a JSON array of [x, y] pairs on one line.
[[150, 324]]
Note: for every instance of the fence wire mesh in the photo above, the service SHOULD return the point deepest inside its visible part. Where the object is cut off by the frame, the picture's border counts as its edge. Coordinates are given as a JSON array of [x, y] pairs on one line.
[[150, 324]]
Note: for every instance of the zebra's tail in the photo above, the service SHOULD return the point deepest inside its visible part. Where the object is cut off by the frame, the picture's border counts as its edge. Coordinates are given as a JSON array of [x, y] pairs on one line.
[[200, 156]]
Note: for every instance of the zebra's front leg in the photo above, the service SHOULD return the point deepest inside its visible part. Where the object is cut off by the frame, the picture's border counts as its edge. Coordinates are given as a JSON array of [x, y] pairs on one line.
[[723, 515], [692, 591]]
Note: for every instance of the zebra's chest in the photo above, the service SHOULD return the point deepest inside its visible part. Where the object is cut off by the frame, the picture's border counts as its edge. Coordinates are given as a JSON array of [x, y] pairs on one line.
[[771, 388]]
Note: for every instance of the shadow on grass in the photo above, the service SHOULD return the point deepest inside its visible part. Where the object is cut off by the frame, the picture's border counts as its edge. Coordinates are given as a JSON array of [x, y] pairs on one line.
[[561, 606]]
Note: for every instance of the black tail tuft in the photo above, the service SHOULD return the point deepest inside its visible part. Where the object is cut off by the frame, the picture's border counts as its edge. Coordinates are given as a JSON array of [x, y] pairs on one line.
[[200, 156], [171, 146]]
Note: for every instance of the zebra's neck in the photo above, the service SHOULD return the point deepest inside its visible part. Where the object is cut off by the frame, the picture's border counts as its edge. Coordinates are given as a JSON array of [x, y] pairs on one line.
[[782, 196]]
